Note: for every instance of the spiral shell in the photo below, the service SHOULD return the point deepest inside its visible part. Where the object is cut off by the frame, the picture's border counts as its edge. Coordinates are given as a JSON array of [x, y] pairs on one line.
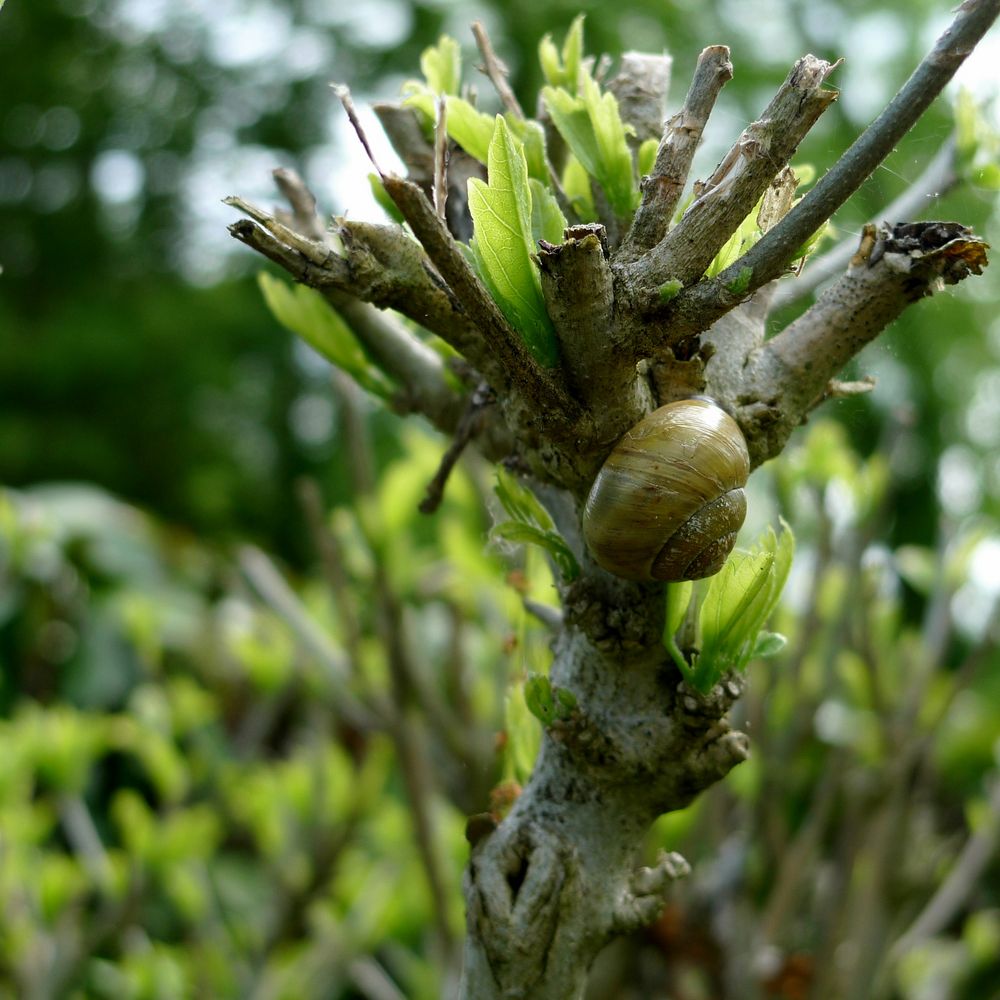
[[669, 499]]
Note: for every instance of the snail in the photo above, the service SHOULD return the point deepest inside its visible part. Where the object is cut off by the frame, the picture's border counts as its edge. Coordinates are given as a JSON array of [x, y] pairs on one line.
[[669, 499]]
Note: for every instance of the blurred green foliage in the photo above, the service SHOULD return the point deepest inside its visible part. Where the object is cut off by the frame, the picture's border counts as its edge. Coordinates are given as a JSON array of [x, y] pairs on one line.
[[186, 807], [190, 807]]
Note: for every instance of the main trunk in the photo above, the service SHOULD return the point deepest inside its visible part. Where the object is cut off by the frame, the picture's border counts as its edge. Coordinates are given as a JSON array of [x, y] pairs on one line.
[[560, 876]]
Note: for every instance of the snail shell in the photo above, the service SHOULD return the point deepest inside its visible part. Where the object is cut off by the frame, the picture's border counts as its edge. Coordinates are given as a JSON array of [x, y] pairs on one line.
[[669, 499]]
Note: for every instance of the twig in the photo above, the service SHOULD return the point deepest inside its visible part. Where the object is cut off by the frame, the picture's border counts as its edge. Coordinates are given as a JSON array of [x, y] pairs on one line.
[[314, 250], [891, 270], [393, 636], [496, 70], [502, 352], [302, 202], [417, 368], [550, 617], [372, 980], [938, 178], [744, 174], [770, 256], [272, 588], [978, 852], [640, 86], [441, 158], [661, 190], [344, 94], [468, 426], [84, 838]]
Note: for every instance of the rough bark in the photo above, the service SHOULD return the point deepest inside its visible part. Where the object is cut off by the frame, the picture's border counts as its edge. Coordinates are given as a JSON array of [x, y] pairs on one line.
[[559, 876]]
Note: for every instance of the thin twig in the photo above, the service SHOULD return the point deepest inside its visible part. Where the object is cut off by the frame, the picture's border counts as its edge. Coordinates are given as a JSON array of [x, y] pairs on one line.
[[314, 250], [661, 190], [270, 585], [964, 877], [496, 70], [441, 158], [302, 202], [402, 725], [468, 425], [344, 94]]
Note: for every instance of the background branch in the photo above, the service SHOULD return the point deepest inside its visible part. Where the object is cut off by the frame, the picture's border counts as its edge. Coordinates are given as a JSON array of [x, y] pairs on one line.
[[938, 178], [769, 257]]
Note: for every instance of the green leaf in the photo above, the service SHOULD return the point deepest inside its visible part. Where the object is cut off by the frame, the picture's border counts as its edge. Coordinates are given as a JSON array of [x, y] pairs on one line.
[[576, 184], [471, 129], [502, 243], [670, 289], [547, 702], [532, 137], [768, 644], [519, 502], [538, 698], [593, 130], [547, 221], [647, 156], [553, 543], [441, 65], [531, 524], [382, 197], [678, 600], [523, 736], [305, 312], [731, 593], [737, 602], [740, 284], [563, 71]]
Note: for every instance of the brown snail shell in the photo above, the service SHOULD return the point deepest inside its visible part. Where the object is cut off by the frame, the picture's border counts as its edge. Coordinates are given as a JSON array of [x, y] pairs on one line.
[[669, 499]]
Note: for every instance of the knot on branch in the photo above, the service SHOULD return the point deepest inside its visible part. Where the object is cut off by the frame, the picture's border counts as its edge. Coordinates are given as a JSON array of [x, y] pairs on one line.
[[951, 250], [645, 897], [514, 886]]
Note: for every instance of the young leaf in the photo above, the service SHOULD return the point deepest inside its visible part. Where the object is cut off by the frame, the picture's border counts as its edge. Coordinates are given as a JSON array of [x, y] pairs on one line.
[[538, 697], [647, 156], [306, 313], [441, 65], [547, 221], [519, 502], [547, 702], [738, 601], [593, 130], [678, 599], [530, 523], [502, 243], [564, 71], [670, 289], [576, 184], [516, 531]]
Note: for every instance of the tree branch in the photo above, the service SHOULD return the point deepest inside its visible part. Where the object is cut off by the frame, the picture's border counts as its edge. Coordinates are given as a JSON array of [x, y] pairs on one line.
[[579, 297], [640, 86], [891, 270], [738, 182], [499, 346], [662, 189], [938, 178], [411, 363], [770, 256]]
